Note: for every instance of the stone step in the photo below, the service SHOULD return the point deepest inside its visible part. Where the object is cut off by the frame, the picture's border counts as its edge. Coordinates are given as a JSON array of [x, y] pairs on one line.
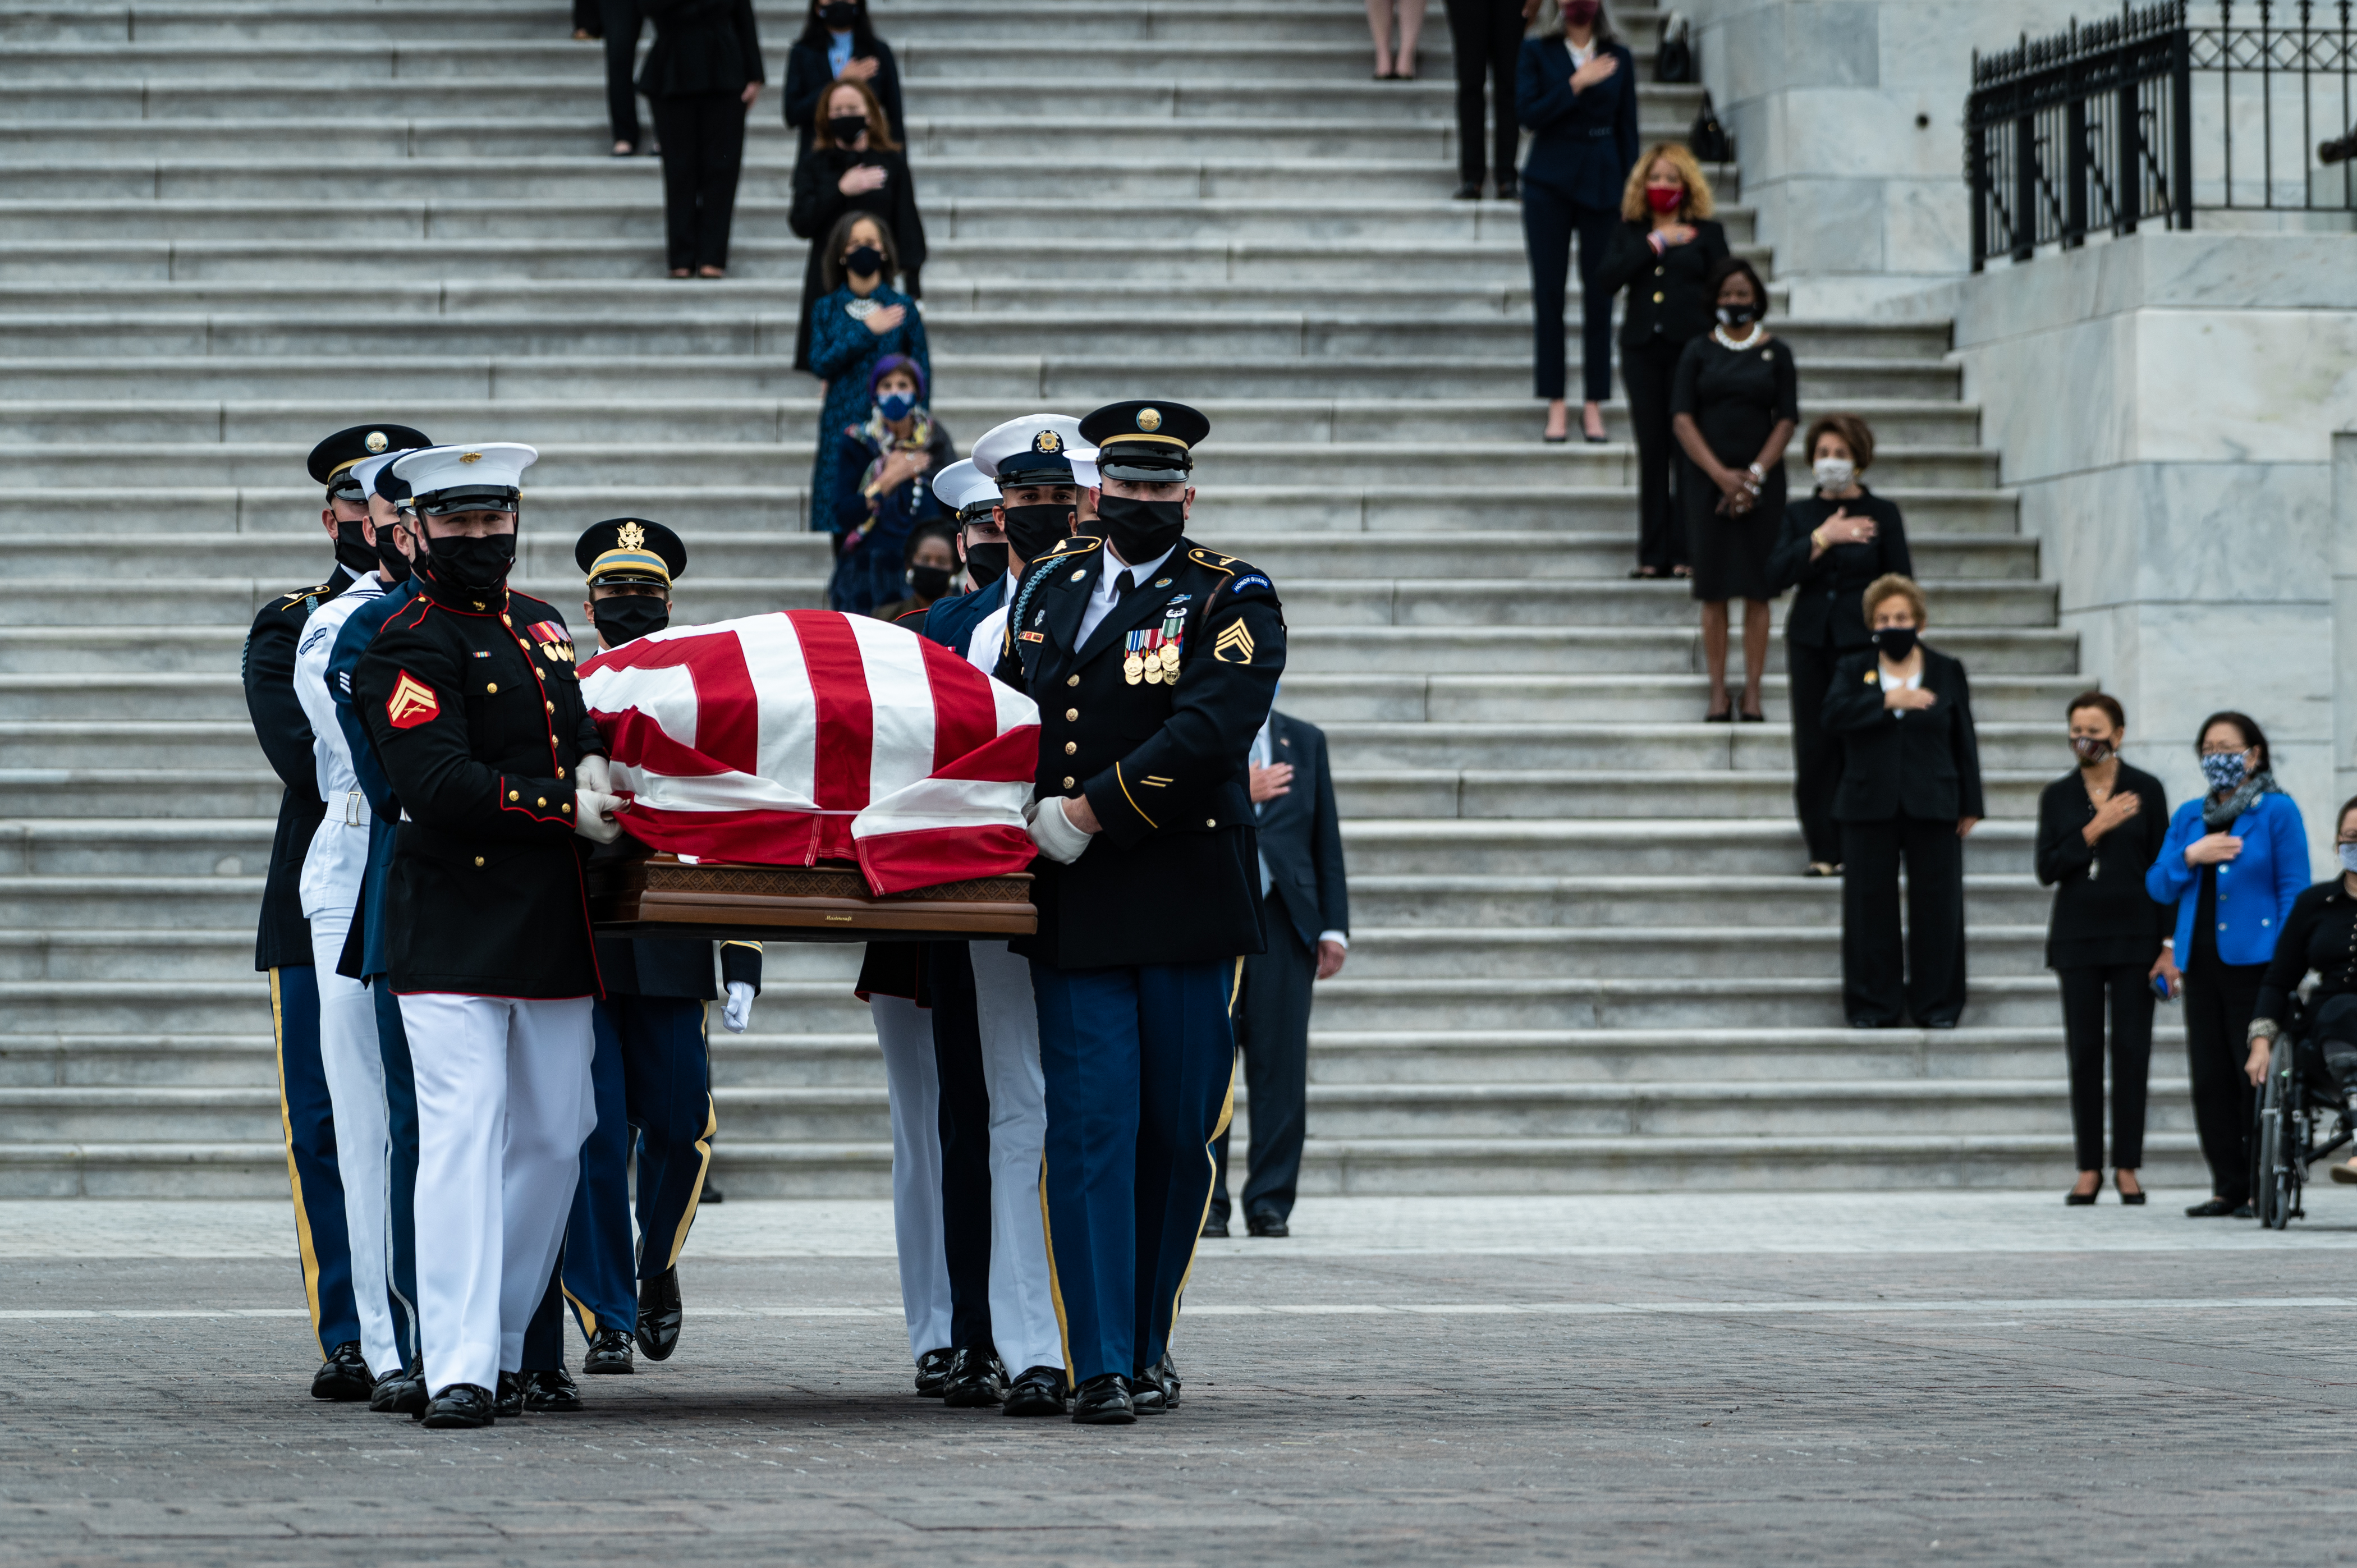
[[1604, 749], [1512, 1003], [86, 650], [131, 904], [1450, 901], [1632, 846], [1898, 422], [1513, 653], [1593, 699], [54, 790], [1515, 793], [1066, 380]]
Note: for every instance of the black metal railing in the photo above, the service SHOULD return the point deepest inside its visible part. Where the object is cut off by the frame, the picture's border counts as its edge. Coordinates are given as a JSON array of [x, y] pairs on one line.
[[2158, 112]]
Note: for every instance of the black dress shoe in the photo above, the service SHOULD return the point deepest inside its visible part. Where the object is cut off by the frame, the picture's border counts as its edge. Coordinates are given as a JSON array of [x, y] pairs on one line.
[[659, 1315], [460, 1405], [2242, 1211], [1266, 1225], [1103, 1401], [402, 1392], [712, 1195], [2212, 1209], [933, 1372], [1216, 1225], [1509, 191], [1154, 1391], [550, 1391], [509, 1402], [609, 1352], [976, 1380], [1038, 1391], [1469, 192], [343, 1376]]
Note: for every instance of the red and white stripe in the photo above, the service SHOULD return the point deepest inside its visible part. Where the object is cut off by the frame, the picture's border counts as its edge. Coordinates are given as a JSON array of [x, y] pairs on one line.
[[805, 736]]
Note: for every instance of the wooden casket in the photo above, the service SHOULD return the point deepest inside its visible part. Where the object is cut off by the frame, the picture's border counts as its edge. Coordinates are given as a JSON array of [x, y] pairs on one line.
[[662, 896]]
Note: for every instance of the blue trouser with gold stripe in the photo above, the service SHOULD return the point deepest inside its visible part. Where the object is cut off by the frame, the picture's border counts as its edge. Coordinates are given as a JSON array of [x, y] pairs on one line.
[[401, 1128], [1137, 1061], [308, 1121], [652, 1078]]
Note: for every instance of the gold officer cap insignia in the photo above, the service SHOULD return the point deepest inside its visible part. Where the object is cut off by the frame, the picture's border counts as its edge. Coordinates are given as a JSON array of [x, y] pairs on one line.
[[471, 457], [1150, 419], [631, 537], [376, 442], [1047, 441]]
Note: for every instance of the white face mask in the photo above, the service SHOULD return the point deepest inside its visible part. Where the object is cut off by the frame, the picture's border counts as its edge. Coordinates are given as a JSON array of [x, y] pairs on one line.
[[1834, 473], [2348, 858]]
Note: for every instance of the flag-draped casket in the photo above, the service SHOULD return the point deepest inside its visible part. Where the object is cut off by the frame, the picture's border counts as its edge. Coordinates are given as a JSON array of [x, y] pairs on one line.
[[808, 737]]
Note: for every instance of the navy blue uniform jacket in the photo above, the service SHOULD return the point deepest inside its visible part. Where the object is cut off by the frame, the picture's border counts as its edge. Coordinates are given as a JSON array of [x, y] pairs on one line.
[[1582, 144], [1174, 877], [1301, 833]]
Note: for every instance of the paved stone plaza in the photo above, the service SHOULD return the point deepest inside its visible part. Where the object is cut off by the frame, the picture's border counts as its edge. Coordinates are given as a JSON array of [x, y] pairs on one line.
[[1874, 1379]]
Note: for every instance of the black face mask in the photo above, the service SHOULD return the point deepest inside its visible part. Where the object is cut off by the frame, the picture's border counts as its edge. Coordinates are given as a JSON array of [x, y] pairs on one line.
[[1140, 531], [390, 561], [353, 551], [1738, 315], [985, 563], [864, 263], [838, 14], [1895, 641], [1032, 530], [844, 129], [465, 562], [628, 618], [929, 582]]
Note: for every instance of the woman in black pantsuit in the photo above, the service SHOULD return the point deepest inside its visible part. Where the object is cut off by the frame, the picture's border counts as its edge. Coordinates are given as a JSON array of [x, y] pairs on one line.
[[1911, 791], [1576, 90], [1835, 540], [1485, 34], [2099, 830], [701, 76], [1736, 401], [1662, 253], [853, 165]]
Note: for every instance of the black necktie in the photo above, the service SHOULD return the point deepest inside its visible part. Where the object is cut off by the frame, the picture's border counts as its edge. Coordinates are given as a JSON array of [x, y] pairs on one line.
[[1122, 583]]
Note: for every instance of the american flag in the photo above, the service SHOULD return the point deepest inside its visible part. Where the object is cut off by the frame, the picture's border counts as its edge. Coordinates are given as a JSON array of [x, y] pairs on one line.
[[805, 736]]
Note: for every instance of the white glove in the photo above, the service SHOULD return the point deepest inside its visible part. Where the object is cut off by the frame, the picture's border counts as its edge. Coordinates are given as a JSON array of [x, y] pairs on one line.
[[590, 819], [594, 773], [1053, 831], [738, 1013]]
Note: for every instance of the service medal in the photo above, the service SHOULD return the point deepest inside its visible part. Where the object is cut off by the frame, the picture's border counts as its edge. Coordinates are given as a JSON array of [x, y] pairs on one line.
[[1170, 656], [1153, 671], [1132, 669]]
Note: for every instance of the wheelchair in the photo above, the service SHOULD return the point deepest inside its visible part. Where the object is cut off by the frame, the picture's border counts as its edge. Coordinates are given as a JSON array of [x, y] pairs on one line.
[[2304, 1113]]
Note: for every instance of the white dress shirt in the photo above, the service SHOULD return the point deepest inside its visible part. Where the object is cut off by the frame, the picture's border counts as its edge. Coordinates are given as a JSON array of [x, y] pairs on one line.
[[1107, 595]]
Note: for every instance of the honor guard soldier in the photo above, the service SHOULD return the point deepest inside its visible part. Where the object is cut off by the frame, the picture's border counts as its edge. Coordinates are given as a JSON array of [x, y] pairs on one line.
[[1154, 661], [283, 943], [474, 709], [653, 1069], [972, 503]]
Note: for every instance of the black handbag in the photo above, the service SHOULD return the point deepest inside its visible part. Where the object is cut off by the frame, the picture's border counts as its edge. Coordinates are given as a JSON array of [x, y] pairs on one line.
[[1708, 139], [1675, 62]]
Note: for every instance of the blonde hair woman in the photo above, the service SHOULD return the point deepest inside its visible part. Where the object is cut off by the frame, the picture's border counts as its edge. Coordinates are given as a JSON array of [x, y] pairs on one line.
[[1662, 253]]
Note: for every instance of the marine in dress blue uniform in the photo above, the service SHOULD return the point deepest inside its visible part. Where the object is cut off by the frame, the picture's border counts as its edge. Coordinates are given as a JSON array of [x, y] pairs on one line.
[[1154, 661], [652, 1072], [283, 939]]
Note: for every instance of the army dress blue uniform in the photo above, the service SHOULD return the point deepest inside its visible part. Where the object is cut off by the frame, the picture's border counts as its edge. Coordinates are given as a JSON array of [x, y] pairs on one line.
[[1149, 714]]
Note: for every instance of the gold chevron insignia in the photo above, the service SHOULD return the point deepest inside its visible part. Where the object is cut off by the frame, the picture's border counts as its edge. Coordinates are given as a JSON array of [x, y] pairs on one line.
[[631, 537], [1234, 645], [413, 702]]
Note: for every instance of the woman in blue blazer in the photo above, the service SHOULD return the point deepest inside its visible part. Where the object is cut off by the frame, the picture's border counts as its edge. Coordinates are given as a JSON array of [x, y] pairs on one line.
[[2233, 860], [1575, 91]]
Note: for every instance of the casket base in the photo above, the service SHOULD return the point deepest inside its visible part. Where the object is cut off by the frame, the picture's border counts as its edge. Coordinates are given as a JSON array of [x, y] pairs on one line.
[[661, 896]]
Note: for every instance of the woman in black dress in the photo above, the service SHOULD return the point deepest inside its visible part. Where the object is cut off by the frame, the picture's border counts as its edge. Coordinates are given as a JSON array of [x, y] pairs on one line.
[[701, 76], [2100, 827], [1734, 406], [1662, 253], [853, 165], [1836, 539]]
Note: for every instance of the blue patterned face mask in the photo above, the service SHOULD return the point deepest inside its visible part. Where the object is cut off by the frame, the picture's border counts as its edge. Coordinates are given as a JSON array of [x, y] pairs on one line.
[[895, 407], [2224, 769]]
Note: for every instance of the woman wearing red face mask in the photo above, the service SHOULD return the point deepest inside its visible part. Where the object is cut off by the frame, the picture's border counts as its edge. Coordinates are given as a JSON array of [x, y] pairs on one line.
[[1662, 253], [1575, 91]]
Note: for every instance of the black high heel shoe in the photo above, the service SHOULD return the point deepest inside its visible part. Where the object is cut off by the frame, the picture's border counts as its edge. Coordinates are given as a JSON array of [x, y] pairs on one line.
[[2133, 1199], [2085, 1200]]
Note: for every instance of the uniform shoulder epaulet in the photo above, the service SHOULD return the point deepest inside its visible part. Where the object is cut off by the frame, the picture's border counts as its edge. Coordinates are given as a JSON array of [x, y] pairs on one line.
[[306, 599], [1074, 545]]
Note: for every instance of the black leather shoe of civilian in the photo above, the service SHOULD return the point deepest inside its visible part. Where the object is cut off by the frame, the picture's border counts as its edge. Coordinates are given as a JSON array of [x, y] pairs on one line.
[[1508, 190], [1266, 1225], [551, 1392], [1469, 192], [343, 1376], [1038, 1391], [1103, 1401], [509, 1401], [610, 1353], [2213, 1208], [933, 1373], [1216, 1225], [659, 1315], [1155, 1390], [2242, 1211], [977, 1381], [460, 1405]]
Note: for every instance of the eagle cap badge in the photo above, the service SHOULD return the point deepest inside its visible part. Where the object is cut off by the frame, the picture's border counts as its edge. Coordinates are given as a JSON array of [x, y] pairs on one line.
[[631, 537], [375, 442], [1149, 420], [470, 457], [1048, 441]]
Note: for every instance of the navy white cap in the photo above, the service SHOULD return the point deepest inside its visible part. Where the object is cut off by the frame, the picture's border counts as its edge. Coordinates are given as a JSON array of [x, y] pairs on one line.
[[1036, 449], [487, 476], [965, 489]]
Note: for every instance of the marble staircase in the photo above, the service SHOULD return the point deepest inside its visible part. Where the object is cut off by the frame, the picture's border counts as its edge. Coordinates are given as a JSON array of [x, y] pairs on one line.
[[1583, 957]]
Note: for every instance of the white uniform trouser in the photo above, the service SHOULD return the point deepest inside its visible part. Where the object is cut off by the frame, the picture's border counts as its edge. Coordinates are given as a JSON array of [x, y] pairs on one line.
[[503, 1104], [354, 1069], [1022, 1310], [905, 1032]]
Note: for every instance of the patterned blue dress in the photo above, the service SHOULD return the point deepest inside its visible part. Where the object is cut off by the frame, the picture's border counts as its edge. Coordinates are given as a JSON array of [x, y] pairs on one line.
[[843, 354]]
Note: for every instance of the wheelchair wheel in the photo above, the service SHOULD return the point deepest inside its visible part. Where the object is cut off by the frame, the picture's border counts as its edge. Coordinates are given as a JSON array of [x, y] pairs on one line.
[[2281, 1144]]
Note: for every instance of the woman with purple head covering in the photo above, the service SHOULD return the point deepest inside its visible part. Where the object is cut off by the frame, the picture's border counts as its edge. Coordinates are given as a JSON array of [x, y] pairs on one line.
[[883, 485]]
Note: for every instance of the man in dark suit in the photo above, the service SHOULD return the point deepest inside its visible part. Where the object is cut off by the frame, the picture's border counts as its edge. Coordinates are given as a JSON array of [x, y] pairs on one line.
[[1308, 918]]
